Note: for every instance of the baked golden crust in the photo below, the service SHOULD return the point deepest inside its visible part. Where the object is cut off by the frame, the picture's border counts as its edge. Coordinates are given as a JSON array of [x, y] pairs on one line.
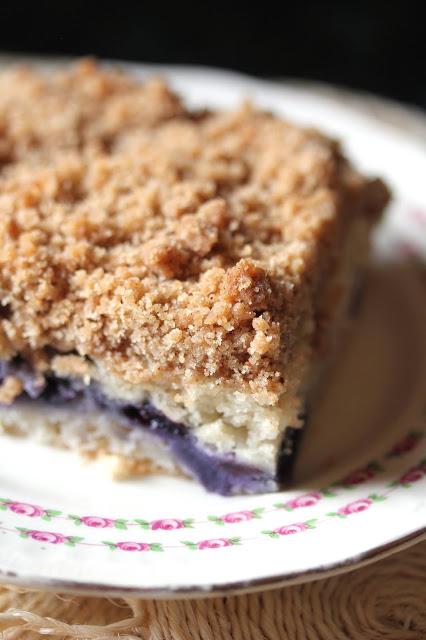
[[164, 244]]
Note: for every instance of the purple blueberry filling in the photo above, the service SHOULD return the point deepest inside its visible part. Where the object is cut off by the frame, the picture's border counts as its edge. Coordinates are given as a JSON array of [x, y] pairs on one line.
[[219, 474]]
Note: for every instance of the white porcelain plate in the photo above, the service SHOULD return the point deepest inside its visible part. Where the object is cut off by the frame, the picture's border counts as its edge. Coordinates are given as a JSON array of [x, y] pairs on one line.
[[360, 487]]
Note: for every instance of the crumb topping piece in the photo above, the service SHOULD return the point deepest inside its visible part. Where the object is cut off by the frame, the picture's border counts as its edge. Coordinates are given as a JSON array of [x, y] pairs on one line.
[[10, 388], [165, 244]]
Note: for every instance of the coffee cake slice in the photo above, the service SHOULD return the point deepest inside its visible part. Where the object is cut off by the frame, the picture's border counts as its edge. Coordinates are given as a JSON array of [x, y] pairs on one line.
[[171, 282]]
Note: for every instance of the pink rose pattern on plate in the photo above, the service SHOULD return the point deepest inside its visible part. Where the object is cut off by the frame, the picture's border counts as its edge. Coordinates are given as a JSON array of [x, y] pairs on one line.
[[359, 476], [165, 524], [406, 444], [133, 546], [98, 523], [31, 510], [291, 529], [27, 509], [413, 475], [357, 506], [49, 537], [213, 543], [236, 517], [306, 500]]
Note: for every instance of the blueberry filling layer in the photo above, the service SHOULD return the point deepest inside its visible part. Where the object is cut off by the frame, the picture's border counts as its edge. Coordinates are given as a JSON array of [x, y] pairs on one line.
[[218, 473]]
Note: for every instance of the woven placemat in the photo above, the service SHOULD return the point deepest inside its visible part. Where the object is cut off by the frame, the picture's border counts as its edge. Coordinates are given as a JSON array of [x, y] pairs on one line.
[[385, 600]]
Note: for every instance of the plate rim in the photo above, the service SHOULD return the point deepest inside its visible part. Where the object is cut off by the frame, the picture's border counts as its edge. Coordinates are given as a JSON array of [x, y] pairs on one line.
[[237, 587]]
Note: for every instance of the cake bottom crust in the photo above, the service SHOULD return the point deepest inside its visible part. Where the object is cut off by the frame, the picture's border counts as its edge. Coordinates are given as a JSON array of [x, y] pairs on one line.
[[131, 447]]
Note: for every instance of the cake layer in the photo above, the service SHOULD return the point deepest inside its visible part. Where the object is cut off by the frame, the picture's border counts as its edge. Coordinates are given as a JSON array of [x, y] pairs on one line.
[[55, 410], [68, 413]]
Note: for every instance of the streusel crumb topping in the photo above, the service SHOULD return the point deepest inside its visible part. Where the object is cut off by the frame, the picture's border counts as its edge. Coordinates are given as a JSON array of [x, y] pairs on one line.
[[164, 244]]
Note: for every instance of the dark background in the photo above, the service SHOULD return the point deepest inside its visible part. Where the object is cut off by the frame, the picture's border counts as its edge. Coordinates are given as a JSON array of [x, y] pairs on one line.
[[377, 46]]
